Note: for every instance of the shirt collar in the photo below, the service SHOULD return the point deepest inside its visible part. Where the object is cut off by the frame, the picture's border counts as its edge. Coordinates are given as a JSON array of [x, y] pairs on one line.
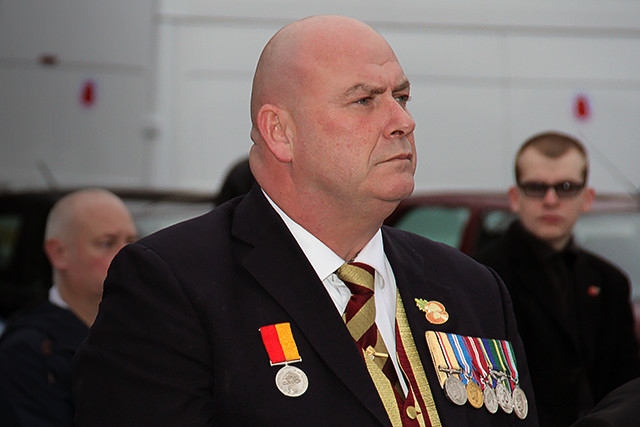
[[323, 260], [55, 298]]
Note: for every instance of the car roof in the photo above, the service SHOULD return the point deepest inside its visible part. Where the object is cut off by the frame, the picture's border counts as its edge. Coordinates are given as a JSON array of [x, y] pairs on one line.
[[482, 199]]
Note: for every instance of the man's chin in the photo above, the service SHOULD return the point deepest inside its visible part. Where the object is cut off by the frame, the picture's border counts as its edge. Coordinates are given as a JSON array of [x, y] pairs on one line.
[[398, 193]]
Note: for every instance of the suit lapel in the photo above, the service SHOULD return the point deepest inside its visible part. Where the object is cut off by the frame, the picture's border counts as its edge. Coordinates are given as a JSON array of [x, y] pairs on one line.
[[278, 264], [415, 279], [588, 288]]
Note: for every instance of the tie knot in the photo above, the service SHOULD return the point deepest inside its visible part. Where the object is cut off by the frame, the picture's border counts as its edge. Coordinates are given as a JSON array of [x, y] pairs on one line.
[[356, 273]]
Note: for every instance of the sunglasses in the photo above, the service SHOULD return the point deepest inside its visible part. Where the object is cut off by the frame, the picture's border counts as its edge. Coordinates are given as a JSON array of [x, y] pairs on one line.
[[564, 189]]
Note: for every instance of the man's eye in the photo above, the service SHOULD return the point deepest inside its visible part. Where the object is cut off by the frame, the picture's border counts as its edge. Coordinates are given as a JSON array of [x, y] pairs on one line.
[[403, 99], [106, 243], [364, 101]]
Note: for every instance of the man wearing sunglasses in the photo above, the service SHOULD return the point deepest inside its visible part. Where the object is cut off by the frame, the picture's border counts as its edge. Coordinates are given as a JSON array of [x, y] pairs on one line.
[[572, 307]]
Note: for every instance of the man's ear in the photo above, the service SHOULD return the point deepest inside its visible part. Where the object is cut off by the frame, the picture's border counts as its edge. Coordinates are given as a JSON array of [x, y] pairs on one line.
[[273, 124], [587, 199], [514, 199], [55, 252]]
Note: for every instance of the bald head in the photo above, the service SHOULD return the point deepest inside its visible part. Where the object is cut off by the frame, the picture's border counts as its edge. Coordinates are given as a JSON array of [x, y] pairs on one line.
[[299, 50], [297, 67], [85, 230], [76, 207]]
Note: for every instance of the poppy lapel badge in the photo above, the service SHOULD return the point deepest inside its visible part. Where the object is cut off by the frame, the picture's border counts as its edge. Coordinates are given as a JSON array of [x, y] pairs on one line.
[[593, 291], [434, 311]]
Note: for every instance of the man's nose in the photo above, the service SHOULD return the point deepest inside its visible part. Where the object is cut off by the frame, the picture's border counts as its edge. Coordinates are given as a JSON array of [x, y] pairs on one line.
[[551, 196], [401, 122]]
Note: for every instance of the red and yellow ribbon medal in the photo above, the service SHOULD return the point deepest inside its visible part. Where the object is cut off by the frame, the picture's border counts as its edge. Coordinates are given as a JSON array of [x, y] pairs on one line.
[[282, 350]]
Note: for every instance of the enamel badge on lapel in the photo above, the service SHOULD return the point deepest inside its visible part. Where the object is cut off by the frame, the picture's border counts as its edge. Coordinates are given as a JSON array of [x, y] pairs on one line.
[[282, 349], [593, 291], [434, 311]]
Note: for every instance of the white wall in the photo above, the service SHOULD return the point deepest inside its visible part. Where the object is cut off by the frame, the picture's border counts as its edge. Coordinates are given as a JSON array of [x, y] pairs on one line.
[[42, 118], [485, 75]]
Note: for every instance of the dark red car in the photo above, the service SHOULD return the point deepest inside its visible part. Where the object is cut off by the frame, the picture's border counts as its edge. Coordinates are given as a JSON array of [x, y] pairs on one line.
[[470, 220]]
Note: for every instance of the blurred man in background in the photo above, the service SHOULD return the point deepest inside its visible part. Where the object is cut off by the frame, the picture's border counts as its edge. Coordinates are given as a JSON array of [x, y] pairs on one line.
[[84, 231], [573, 307]]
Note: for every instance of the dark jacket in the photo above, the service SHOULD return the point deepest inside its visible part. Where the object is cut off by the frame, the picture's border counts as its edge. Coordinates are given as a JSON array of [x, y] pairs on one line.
[[36, 358], [177, 340], [619, 408], [573, 364]]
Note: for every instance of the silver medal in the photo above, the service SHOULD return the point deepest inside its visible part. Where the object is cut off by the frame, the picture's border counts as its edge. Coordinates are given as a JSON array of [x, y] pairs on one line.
[[455, 390], [490, 399], [520, 403], [291, 381], [504, 398]]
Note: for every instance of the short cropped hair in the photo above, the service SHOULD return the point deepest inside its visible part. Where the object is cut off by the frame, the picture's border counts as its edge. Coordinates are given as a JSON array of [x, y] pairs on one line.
[[553, 144]]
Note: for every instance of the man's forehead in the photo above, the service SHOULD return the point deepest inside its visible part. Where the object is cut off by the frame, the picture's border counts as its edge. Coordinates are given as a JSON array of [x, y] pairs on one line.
[[363, 73], [535, 164]]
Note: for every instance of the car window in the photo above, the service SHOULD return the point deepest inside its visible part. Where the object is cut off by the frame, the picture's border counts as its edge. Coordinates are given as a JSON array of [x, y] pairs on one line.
[[9, 229], [438, 223], [615, 236], [151, 216]]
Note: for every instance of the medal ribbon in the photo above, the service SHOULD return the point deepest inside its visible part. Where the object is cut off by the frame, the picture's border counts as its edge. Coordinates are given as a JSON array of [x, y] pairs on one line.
[[449, 354], [496, 355], [279, 343], [437, 355], [511, 361], [483, 361], [462, 357], [478, 371]]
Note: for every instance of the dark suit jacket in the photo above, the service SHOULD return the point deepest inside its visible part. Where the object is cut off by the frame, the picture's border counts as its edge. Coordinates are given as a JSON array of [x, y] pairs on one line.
[[176, 341], [592, 359], [36, 357], [619, 408]]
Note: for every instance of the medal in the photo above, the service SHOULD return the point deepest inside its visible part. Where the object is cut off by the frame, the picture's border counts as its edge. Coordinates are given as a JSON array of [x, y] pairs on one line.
[[474, 394], [455, 390], [434, 311], [520, 403], [473, 390], [445, 364], [519, 398], [504, 398], [282, 350], [490, 399], [291, 381], [481, 368], [498, 370], [453, 386]]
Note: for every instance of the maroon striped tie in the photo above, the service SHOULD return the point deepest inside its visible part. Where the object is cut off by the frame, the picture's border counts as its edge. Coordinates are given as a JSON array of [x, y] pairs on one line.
[[360, 315]]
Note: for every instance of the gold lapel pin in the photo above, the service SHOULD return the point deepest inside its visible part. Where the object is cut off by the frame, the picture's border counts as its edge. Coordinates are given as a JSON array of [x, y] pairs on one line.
[[434, 311]]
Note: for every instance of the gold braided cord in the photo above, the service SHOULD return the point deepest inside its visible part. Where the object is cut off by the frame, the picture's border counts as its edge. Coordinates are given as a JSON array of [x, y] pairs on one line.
[[416, 365], [385, 391]]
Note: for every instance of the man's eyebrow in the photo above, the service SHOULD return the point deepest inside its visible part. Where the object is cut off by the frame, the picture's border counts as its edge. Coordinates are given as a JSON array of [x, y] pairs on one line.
[[365, 88], [373, 90], [402, 86]]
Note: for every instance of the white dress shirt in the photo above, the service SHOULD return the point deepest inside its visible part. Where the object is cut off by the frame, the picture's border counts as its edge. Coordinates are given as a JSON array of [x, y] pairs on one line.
[[55, 298], [325, 262]]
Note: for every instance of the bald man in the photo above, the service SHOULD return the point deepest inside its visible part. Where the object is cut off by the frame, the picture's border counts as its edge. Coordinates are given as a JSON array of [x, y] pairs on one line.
[[246, 317], [84, 231]]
